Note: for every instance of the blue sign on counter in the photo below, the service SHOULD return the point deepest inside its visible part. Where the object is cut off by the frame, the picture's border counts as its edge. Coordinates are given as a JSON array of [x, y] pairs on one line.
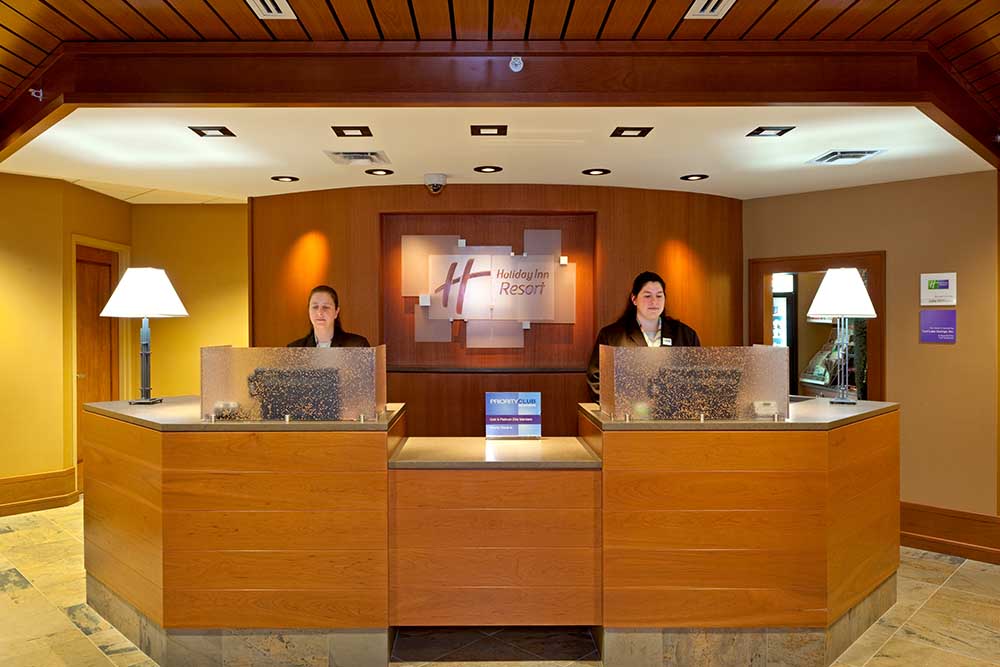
[[513, 414]]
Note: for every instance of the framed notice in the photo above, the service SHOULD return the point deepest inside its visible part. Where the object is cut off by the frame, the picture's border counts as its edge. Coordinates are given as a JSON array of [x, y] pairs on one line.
[[937, 326], [938, 289], [513, 414]]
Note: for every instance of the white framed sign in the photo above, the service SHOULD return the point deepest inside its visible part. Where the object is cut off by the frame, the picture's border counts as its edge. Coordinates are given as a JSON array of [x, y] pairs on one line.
[[938, 289]]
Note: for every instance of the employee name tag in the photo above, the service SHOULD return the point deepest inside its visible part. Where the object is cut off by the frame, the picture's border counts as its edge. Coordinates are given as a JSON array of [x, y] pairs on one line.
[[668, 341]]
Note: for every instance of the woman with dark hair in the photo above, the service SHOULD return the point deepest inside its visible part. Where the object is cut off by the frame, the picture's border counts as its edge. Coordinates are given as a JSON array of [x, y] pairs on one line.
[[324, 309], [643, 324]]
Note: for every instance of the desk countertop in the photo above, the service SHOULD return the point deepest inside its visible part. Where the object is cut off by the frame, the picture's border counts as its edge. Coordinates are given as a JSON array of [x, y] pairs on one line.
[[480, 453]]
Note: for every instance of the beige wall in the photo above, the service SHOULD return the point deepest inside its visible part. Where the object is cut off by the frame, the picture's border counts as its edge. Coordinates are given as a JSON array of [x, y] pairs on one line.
[[204, 251], [948, 393]]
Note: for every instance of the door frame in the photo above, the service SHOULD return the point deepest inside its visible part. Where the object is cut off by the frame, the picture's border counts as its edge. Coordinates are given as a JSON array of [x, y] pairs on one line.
[[873, 261]]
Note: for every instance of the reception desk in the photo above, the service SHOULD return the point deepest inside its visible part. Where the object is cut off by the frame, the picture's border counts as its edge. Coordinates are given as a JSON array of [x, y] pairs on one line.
[[675, 539]]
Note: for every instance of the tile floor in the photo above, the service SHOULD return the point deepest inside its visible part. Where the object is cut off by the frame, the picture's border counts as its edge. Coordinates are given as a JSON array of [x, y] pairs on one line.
[[947, 615]]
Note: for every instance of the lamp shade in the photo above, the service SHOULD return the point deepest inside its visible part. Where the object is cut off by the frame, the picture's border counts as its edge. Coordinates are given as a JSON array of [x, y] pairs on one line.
[[842, 294], [144, 293]]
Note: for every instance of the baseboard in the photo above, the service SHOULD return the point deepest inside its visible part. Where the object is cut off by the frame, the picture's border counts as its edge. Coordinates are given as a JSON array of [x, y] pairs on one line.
[[965, 534], [30, 493]]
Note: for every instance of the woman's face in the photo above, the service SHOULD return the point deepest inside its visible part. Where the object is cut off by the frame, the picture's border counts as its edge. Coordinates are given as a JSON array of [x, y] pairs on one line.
[[650, 300], [322, 311]]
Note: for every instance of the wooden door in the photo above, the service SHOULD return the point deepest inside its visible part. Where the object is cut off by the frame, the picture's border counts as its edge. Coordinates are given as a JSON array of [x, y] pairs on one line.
[[96, 336]]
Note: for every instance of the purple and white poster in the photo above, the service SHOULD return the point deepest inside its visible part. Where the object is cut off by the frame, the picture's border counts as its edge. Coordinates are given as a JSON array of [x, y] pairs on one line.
[[937, 326]]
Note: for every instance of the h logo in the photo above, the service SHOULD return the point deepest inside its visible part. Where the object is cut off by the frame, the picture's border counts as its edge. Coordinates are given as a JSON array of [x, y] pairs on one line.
[[467, 275]]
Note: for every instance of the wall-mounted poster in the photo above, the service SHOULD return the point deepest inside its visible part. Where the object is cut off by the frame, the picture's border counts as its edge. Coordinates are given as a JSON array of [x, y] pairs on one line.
[[937, 326], [938, 289]]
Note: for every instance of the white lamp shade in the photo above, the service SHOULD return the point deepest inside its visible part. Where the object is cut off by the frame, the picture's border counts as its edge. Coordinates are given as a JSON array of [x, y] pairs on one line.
[[144, 293], [842, 294]]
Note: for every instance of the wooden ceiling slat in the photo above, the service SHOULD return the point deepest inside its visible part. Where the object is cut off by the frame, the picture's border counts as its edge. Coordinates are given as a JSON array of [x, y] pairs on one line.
[[240, 19], [15, 64], [510, 18], [289, 30], [888, 21], [663, 18], [984, 68], [586, 19], [394, 18], [21, 48], [987, 82], [854, 19], [694, 28], [738, 20], [433, 18], [548, 18], [977, 55], [992, 94], [85, 16], [816, 18], [10, 78], [204, 20], [971, 39], [781, 15], [316, 17], [129, 21], [472, 19], [962, 22], [5, 89], [624, 19], [920, 25], [166, 20], [27, 29], [356, 18], [50, 20]]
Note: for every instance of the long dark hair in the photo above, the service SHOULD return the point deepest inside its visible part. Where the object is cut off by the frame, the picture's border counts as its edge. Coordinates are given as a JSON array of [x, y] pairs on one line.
[[628, 317], [326, 289]]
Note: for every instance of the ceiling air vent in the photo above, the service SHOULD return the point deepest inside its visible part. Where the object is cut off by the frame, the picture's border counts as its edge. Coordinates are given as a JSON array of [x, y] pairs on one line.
[[845, 157], [709, 9], [270, 10], [358, 158]]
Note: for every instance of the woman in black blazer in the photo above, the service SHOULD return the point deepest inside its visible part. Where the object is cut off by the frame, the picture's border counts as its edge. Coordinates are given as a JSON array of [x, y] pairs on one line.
[[324, 311]]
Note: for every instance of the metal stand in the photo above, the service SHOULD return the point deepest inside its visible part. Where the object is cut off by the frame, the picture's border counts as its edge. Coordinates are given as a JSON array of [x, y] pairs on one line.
[[144, 361], [844, 342]]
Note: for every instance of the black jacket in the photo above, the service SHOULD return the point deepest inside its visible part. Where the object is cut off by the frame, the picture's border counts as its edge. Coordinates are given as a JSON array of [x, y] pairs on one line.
[[340, 339], [628, 334]]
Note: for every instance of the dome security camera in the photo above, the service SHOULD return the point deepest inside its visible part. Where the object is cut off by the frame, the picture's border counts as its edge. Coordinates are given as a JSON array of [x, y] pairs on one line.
[[435, 183]]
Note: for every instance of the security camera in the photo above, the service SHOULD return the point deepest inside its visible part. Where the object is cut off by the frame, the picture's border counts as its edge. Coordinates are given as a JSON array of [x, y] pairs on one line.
[[516, 64], [435, 182]]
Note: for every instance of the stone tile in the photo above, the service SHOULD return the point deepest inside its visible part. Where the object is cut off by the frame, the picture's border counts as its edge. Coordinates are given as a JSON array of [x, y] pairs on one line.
[[246, 649], [910, 594], [24, 529], [724, 648], [796, 647], [491, 652], [903, 653], [867, 644], [28, 521], [193, 649], [75, 652], [926, 566], [421, 645], [117, 647], [12, 580], [152, 639], [86, 619], [633, 648], [551, 643], [359, 648], [65, 591], [958, 622], [976, 577], [120, 614]]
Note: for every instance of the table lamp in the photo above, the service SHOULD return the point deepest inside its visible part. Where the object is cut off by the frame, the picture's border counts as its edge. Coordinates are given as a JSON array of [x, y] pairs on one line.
[[144, 293], [842, 295]]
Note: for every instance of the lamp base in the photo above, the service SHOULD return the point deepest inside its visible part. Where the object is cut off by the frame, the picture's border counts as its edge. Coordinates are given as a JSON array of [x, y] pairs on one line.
[[145, 401], [843, 401]]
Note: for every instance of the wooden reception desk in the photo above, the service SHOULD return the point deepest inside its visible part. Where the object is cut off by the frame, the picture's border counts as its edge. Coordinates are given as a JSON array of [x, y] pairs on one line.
[[785, 532]]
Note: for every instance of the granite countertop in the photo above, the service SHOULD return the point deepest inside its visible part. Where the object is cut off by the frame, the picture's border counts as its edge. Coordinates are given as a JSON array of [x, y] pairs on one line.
[[814, 414], [480, 453], [183, 413]]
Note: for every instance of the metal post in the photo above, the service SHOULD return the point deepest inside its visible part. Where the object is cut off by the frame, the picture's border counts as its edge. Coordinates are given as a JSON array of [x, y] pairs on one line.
[[844, 341], [145, 389]]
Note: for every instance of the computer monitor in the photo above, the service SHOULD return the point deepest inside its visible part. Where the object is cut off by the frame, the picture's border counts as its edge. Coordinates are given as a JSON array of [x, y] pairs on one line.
[[689, 392], [301, 393]]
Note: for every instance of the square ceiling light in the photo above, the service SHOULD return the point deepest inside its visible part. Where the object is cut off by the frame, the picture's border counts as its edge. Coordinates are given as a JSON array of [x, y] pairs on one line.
[[771, 131], [631, 131], [351, 130], [488, 130], [211, 130]]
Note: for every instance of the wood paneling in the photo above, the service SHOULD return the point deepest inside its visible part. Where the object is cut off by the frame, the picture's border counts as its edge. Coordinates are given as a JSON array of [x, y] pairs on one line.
[[624, 18], [548, 19], [508, 489], [591, 435], [456, 528], [486, 606], [394, 19], [315, 570], [335, 608], [709, 608], [275, 451], [297, 529], [356, 19], [132, 531], [183, 490], [495, 567], [29, 493], [965, 534], [207, 23], [708, 490], [121, 577], [510, 19], [433, 18], [721, 529]]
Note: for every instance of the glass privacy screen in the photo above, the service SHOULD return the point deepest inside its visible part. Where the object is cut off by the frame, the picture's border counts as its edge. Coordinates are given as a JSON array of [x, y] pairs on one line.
[[304, 383], [684, 383]]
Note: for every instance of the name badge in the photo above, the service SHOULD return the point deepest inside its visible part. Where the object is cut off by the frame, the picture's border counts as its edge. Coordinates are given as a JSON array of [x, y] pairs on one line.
[[668, 341]]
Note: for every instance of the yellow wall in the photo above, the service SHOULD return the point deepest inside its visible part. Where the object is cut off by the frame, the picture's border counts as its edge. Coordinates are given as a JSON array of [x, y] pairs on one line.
[[948, 393], [204, 252]]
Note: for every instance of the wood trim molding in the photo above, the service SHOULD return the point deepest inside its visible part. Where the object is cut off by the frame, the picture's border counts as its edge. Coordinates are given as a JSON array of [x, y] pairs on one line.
[[965, 534], [29, 493]]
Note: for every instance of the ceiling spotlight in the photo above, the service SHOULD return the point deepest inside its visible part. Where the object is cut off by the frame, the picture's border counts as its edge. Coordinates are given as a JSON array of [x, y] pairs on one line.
[[285, 179], [488, 130], [378, 172], [351, 130], [596, 172], [631, 131], [694, 177], [771, 131], [488, 169], [211, 131]]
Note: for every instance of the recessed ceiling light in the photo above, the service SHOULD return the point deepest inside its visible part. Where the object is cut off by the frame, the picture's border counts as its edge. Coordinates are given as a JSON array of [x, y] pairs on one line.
[[631, 131], [694, 177], [845, 157], [285, 179], [488, 130], [211, 131], [378, 172], [771, 131], [488, 169], [596, 172], [351, 130]]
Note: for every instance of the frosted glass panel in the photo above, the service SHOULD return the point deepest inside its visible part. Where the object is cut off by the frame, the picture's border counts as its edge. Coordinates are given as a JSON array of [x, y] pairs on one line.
[[543, 242], [427, 330], [493, 333], [415, 250], [307, 383], [565, 294], [678, 383]]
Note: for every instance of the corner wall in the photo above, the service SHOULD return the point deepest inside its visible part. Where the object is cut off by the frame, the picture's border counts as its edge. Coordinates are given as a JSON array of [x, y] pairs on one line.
[[948, 393]]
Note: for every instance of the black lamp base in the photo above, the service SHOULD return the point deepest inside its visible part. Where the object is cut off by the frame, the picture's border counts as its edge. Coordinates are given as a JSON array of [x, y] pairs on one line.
[[145, 401], [843, 401]]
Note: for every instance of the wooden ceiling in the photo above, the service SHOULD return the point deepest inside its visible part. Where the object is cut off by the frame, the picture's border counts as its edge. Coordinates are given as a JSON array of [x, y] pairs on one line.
[[966, 32]]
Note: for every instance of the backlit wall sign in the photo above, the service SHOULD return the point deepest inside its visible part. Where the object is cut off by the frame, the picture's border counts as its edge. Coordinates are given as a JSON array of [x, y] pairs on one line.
[[498, 294]]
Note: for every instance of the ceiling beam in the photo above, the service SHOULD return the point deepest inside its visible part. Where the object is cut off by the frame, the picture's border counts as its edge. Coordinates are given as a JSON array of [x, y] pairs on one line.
[[477, 73]]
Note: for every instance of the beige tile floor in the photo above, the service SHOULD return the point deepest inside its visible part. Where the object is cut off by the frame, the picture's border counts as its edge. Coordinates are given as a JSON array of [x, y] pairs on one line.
[[947, 614]]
